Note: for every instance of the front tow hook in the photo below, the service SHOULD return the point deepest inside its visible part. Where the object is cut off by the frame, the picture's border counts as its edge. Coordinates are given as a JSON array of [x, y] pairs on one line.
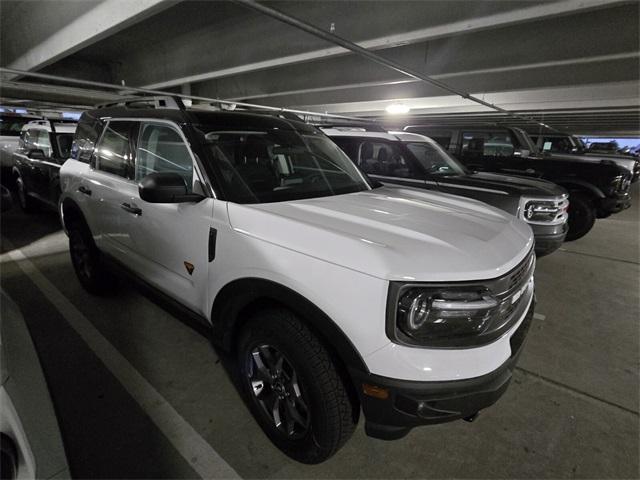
[[471, 418]]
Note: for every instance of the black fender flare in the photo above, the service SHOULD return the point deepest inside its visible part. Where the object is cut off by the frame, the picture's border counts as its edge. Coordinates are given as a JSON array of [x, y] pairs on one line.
[[239, 295], [577, 184]]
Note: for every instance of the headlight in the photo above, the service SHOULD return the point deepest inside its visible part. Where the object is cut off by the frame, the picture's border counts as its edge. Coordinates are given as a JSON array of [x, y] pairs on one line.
[[459, 316], [551, 211]]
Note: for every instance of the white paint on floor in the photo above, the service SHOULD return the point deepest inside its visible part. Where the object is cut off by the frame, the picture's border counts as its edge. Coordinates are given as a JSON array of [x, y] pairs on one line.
[[185, 439]]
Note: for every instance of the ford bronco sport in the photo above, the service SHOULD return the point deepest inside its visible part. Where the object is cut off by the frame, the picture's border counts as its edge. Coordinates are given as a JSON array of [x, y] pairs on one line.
[[413, 160], [333, 295]]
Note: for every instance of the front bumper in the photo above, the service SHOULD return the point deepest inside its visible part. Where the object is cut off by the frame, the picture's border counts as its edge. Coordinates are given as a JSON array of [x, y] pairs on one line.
[[548, 238], [614, 204], [410, 404]]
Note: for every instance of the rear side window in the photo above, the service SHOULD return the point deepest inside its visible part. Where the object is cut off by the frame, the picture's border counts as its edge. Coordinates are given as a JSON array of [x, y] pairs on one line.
[[161, 149], [488, 144], [44, 143], [113, 154], [85, 139]]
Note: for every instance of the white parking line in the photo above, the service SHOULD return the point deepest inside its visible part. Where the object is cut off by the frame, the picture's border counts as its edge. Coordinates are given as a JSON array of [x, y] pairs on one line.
[[193, 448], [539, 316]]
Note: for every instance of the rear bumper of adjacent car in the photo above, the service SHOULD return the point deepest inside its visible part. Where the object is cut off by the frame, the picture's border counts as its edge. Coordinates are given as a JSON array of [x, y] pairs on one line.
[[549, 237], [393, 407]]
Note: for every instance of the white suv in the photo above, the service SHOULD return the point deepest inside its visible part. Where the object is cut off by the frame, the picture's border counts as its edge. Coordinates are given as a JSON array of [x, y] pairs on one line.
[[332, 294]]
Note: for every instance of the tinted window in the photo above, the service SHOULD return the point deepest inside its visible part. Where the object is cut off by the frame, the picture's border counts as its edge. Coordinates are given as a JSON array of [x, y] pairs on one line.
[[12, 126], [434, 159], [64, 142], [161, 149], [488, 144], [113, 154], [278, 164], [85, 139], [376, 157]]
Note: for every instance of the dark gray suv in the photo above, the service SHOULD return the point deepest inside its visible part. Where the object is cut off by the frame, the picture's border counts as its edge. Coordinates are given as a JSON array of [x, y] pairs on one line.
[[417, 161]]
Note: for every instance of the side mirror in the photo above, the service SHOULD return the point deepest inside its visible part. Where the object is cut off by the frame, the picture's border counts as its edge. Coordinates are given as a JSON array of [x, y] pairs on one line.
[[36, 154], [166, 187]]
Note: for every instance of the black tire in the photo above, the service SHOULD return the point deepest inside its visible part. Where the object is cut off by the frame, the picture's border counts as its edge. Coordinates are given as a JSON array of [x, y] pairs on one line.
[[27, 203], [325, 414], [87, 261], [582, 216]]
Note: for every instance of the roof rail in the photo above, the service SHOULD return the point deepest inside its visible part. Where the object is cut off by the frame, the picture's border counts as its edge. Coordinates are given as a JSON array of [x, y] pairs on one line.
[[142, 101], [346, 126]]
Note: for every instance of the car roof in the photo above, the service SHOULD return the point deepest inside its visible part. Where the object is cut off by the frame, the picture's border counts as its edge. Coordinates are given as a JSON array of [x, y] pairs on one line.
[[60, 127], [394, 136], [216, 119]]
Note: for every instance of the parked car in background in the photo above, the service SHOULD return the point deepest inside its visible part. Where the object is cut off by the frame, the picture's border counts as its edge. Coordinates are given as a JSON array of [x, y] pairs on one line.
[[596, 190], [10, 128], [558, 144], [44, 145], [603, 147], [414, 160], [335, 295]]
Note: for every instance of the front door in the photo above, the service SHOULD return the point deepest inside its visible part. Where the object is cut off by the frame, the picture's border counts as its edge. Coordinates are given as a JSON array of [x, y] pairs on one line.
[[170, 241]]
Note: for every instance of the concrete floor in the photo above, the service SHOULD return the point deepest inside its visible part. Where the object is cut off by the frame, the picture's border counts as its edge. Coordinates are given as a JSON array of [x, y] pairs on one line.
[[571, 411]]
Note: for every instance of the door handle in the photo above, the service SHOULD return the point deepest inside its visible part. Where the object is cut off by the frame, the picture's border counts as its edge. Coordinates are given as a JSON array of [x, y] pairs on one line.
[[131, 208], [85, 190]]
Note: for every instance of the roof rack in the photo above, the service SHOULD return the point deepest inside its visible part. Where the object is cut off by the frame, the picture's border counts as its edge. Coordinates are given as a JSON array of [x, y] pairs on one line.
[[354, 126], [151, 101]]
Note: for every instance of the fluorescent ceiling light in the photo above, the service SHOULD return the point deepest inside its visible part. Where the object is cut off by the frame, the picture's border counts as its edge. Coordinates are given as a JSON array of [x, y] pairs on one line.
[[397, 108]]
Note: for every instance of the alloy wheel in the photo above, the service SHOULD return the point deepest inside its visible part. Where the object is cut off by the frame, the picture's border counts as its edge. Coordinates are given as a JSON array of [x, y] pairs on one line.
[[276, 388], [81, 255]]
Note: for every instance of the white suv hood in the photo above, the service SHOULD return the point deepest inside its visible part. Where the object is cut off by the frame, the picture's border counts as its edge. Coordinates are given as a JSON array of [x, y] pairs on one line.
[[393, 233]]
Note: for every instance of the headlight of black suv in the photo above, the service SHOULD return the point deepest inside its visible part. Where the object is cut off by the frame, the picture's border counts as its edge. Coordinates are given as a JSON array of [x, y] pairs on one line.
[[458, 316]]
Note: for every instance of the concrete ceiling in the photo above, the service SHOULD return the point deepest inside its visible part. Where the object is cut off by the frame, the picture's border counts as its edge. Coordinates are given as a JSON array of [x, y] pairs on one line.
[[574, 64]]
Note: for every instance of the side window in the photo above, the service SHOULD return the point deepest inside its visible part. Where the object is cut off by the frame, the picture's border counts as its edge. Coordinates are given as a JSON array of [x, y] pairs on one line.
[[161, 149], [30, 139], [85, 138], [486, 144], [380, 158], [499, 145], [44, 142], [113, 154]]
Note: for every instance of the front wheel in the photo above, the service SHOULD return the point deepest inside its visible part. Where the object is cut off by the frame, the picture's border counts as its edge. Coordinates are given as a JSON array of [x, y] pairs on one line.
[[293, 388], [582, 216]]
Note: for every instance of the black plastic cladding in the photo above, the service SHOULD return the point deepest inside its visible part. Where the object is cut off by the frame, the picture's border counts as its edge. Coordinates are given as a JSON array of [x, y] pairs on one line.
[[503, 287]]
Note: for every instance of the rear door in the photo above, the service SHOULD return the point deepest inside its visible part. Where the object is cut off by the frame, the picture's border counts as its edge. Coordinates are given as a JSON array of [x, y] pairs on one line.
[[170, 241]]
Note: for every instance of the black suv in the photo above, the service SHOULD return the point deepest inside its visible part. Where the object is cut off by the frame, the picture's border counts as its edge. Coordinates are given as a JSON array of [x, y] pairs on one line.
[[597, 190]]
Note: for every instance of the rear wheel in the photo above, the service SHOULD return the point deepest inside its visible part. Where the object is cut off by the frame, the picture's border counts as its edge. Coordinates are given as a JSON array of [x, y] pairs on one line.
[[27, 203], [87, 261], [293, 388], [582, 216]]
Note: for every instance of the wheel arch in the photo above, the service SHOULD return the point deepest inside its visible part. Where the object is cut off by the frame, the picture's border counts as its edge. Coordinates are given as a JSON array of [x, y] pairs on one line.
[[239, 299], [573, 185], [70, 211]]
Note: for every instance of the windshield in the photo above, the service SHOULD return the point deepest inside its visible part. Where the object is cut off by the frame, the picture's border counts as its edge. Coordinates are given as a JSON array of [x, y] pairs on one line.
[[279, 165], [64, 141], [11, 126], [435, 160]]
